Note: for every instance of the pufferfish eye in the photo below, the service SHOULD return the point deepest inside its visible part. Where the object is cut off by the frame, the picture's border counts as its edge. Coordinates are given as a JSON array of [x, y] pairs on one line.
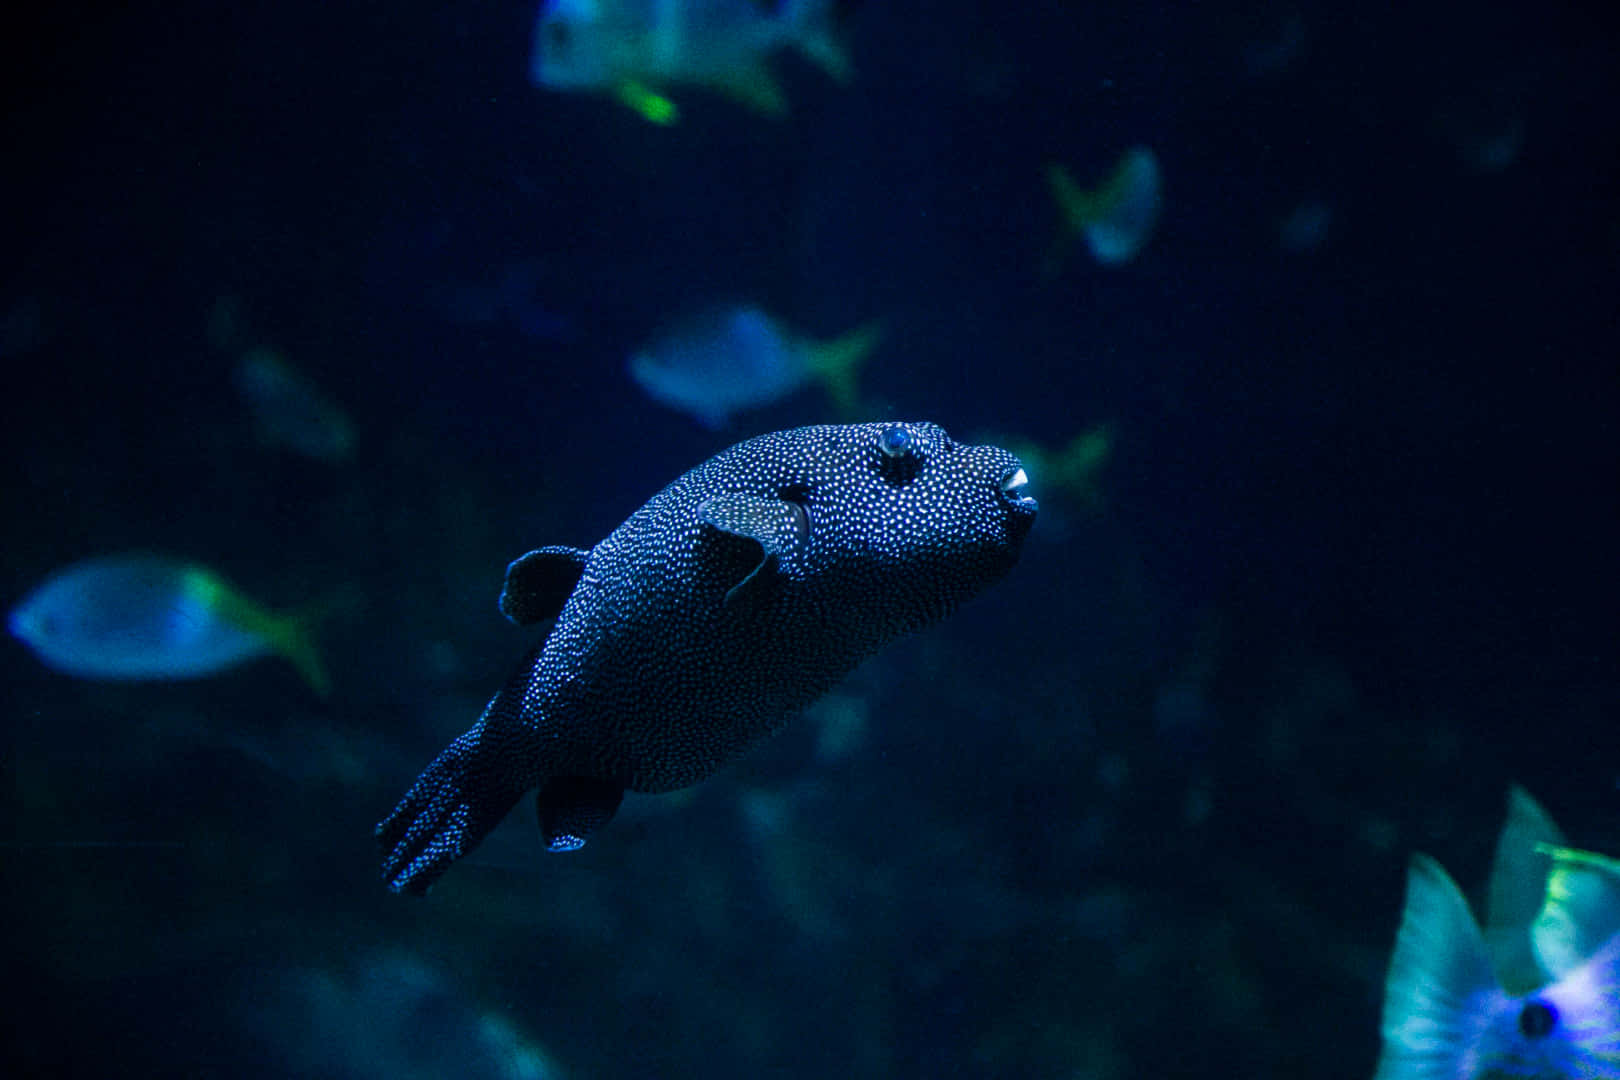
[[896, 442]]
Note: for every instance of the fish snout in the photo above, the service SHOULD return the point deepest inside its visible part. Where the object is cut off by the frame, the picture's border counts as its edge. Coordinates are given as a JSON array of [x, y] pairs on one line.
[[1014, 489]]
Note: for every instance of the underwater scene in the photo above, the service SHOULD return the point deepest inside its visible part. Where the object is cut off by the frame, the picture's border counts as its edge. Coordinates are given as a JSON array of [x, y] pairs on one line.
[[615, 540]]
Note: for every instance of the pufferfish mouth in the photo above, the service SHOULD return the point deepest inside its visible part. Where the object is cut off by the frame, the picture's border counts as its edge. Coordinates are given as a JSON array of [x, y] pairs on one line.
[[1013, 490]]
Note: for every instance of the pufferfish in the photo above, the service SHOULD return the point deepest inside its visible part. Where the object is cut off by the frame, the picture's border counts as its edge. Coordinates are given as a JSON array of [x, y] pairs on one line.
[[731, 600]]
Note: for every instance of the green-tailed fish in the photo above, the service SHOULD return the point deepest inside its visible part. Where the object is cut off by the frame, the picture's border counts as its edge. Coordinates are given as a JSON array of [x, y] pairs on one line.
[[637, 50], [1116, 218], [147, 617], [727, 360]]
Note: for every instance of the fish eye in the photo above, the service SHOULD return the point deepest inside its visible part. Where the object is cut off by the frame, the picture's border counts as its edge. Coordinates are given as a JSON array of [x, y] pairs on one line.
[[895, 442], [1537, 1019]]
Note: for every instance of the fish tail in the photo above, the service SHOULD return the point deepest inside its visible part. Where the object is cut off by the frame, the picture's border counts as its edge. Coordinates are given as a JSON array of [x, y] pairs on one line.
[[1079, 206], [812, 25], [647, 103], [290, 635], [452, 806], [295, 640], [1080, 464], [837, 361], [1440, 980]]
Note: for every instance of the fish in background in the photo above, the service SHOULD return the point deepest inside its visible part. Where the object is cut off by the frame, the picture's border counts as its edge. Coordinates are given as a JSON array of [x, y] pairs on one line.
[[1075, 469], [637, 50], [1306, 226], [1535, 994], [1117, 217], [386, 1013], [139, 617], [727, 360], [510, 298], [289, 411]]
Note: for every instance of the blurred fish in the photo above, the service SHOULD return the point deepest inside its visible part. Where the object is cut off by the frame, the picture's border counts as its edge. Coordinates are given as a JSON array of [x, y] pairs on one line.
[[1116, 218], [1513, 897], [729, 360], [512, 298], [1076, 468], [1446, 1011], [1581, 911], [387, 1013], [1486, 120], [1278, 48], [1306, 226], [146, 617], [637, 49], [290, 411]]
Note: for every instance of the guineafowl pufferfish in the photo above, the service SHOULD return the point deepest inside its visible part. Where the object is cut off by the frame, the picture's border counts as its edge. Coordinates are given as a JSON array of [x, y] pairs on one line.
[[734, 598]]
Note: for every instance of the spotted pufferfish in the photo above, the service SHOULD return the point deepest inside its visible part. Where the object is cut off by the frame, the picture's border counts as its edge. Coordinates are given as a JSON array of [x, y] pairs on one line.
[[731, 600]]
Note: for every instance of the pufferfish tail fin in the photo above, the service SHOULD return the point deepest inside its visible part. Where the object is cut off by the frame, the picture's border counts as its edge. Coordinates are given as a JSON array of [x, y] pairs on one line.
[[462, 795], [1440, 981]]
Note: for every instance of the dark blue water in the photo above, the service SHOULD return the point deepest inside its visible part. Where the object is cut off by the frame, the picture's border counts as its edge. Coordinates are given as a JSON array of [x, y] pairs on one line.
[[1143, 809]]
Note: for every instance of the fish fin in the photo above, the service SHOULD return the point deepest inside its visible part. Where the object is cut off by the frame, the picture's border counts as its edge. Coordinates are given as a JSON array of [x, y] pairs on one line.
[[1077, 467], [756, 88], [452, 806], [814, 31], [573, 807], [1074, 204], [837, 361], [1131, 193], [1517, 884], [1581, 910], [1078, 206], [539, 584], [1439, 980], [776, 525], [295, 640], [647, 103], [292, 636]]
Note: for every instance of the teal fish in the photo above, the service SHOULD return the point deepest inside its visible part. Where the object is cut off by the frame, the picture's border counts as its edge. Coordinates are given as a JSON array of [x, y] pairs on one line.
[[1117, 218], [146, 617], [1463, 1003], [732, 359], [637, 50], [290, 411]]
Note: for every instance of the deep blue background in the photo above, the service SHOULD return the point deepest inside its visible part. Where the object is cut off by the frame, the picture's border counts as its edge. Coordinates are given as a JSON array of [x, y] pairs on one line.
[[1366, 492]]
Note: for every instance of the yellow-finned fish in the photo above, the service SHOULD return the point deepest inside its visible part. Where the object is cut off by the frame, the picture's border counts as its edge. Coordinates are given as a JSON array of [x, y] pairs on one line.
[[725, 360], [148, 617]]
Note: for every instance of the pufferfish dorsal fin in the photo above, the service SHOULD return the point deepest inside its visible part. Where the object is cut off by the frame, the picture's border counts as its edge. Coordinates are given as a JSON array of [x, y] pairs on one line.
[[539, 583], [776, 525]]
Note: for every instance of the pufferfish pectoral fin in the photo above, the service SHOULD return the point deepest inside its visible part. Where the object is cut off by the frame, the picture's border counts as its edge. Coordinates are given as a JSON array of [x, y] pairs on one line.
[[778, 526], [573, 807], [538, 584]]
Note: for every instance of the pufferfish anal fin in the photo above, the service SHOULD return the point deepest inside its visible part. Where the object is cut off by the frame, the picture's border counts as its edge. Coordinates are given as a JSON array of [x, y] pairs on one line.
[[1440, 981], [573, 807], [538, 584], [778, 526]]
